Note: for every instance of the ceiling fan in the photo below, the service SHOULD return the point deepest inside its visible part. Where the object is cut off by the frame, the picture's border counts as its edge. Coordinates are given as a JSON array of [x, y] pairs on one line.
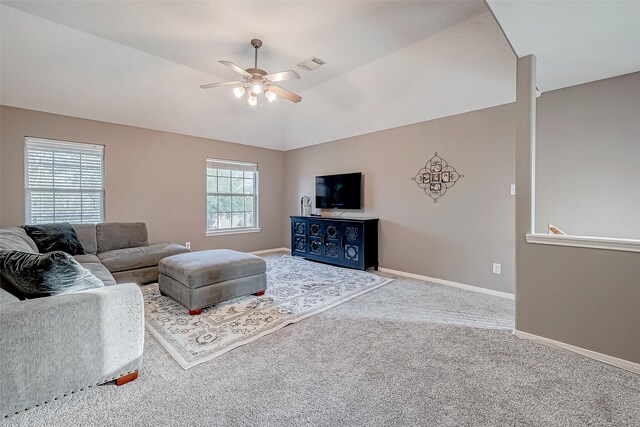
[[256, 81]]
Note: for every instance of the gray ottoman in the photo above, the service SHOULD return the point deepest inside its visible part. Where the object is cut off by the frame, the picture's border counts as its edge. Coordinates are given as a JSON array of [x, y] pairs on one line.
[[200, 279]]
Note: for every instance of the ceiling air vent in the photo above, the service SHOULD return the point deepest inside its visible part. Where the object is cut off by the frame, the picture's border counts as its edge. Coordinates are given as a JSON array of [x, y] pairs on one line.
[[311, 63]]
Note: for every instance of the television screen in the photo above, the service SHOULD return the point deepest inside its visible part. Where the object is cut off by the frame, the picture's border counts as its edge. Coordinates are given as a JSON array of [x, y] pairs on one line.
[[339, 191]]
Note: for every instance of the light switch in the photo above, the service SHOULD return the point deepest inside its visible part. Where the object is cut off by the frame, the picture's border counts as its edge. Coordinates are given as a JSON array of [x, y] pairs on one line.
[[497, 268]]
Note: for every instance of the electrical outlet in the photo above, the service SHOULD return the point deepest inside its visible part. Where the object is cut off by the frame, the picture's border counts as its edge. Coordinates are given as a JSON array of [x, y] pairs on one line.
[[513, 189], [497, 268], [188, 245]]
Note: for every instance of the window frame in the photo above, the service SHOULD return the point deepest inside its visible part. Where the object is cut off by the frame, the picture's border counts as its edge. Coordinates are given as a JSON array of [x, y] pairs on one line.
[[256, 197], [28, 190]]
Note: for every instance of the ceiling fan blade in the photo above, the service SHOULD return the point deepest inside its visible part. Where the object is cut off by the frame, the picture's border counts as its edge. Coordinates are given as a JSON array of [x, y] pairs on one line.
[[285, 93], [282, 75], [234, 83], [235, 68]]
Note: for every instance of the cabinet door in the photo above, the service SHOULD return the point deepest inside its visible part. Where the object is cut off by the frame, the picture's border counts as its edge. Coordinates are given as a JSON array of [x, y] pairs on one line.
[[332, 236], [316, 229], [298, 236], [352, 244]]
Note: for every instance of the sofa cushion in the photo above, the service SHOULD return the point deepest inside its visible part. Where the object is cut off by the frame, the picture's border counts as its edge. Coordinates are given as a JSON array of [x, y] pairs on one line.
[[120, 235], [86, 258], [134, 258], [16, 239], [40, 275], [87, 236], [203, 268], [92, 263], [55, 237], [100, 271], [139, 276]]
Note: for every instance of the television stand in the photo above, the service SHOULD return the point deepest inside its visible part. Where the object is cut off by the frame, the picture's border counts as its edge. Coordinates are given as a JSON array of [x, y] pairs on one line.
[[347, 242]]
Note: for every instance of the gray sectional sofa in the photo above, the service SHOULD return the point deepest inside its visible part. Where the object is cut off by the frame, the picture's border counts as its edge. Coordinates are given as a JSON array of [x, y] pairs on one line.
[[54, 346], [119, 252]]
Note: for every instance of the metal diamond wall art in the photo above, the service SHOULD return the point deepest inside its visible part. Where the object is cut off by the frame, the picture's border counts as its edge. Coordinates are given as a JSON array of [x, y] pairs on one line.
[[436, 177]]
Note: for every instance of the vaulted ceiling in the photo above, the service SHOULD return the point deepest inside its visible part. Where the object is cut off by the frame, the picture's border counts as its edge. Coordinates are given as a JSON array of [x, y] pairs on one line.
[[574, 41], [389, 63], [141, 63]]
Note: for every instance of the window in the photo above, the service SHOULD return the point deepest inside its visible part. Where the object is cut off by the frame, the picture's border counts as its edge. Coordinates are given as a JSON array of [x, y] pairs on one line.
[[232, 196], [64, 182]]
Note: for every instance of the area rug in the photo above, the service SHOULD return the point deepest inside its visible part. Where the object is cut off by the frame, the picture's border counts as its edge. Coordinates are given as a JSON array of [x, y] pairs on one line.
[[296, 289]]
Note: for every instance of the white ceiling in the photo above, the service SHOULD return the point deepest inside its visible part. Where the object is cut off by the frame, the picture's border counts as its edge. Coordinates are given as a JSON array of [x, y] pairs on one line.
[[141, 63], [199, 33], [389, 63], [574, 41]]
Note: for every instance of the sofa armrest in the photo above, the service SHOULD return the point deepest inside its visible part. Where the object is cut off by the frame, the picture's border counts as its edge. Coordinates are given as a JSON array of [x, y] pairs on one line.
[[53, 346], [7, 297]]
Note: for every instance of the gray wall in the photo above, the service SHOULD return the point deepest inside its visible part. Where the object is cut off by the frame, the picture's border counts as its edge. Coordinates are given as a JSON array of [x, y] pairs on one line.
[[457, 238], [588, 298], [151, 176], [588, 155]]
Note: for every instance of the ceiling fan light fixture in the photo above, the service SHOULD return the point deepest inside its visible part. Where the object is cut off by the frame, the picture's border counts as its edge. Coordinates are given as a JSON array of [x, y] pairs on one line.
[[256, 81], [256, 87], [239, 91], [270, 96]]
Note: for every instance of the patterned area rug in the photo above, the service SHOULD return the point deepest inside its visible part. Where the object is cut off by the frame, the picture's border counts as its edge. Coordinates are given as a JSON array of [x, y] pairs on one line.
[[296, 289]]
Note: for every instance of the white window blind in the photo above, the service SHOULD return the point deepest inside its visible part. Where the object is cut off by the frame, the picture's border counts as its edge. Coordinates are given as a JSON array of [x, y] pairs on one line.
[[64, 181], [232, 195]]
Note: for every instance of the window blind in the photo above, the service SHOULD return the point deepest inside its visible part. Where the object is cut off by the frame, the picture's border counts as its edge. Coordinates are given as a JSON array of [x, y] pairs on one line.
[[64, 181], [232, 165]]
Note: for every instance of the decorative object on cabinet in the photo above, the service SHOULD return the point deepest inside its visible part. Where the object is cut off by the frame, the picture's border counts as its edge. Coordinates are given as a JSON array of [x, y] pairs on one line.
[[436, 177], [348, 242], [305, 206]]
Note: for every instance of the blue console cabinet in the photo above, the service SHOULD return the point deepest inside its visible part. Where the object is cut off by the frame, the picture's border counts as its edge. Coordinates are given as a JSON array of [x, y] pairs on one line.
[[347, 242]]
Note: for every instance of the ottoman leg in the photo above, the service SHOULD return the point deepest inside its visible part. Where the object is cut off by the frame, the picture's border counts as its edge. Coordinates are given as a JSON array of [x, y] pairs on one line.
[[126, 378], [195, 311], [259, 294]]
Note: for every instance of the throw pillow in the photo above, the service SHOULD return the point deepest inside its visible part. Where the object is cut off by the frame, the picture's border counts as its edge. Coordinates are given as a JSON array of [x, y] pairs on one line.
[[55, 237], [41, 275]]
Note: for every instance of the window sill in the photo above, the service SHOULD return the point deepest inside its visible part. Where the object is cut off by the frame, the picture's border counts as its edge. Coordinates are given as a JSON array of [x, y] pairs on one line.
[[238, 231], [627, 245]]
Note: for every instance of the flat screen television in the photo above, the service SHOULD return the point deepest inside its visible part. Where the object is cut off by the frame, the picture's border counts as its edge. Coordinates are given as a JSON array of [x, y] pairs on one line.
[[339, 191]]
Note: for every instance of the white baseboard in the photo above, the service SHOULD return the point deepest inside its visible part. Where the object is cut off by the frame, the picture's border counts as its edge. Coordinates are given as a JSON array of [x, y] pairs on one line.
[[419, 277], [449, 283], [268, 251], [614, 361]]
